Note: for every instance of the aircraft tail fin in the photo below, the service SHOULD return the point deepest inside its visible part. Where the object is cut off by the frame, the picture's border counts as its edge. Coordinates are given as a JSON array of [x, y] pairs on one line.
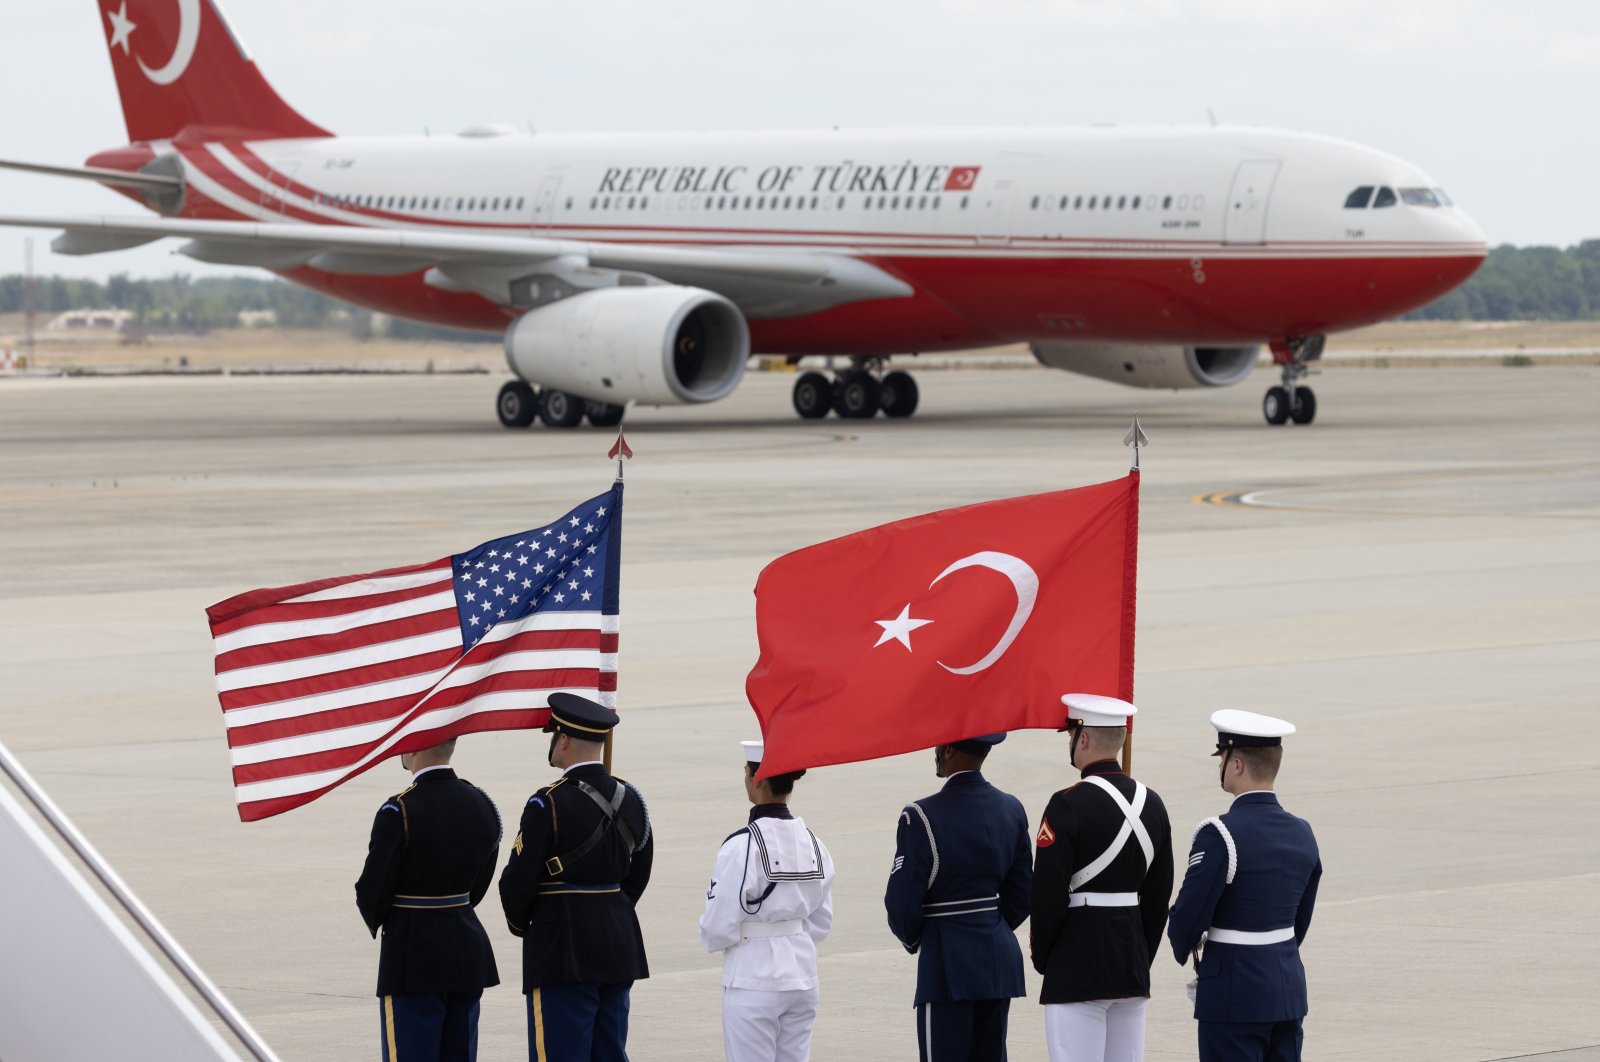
[[179, 67]]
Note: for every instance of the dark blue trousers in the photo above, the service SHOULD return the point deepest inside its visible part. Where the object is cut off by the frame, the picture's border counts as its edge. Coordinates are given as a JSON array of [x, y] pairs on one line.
[[971, 1030], [1251, 1041], [429, 1027], [583, 1021]]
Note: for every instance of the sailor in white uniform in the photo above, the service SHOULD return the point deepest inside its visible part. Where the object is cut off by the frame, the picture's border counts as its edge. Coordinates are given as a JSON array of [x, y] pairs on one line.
[[769, 905]]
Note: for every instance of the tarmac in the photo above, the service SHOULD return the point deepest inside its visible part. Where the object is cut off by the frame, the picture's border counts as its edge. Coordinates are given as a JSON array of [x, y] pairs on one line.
[[1414, 581]]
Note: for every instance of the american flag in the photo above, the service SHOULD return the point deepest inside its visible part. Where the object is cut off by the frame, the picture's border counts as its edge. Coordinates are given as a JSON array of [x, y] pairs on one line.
[[321, 681]]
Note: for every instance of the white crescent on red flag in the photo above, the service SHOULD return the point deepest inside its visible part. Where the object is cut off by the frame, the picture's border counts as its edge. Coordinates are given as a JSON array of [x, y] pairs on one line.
[[961, 178], [945, 626]]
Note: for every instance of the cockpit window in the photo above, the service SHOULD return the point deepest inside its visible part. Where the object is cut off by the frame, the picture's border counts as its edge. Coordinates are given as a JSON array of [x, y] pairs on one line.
[[1358, 199], [1443, 198], [1386, 198], [1423, 197]]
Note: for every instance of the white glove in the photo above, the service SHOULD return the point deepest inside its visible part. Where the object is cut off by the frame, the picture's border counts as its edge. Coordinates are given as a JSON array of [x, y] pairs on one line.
[[1192, 988]]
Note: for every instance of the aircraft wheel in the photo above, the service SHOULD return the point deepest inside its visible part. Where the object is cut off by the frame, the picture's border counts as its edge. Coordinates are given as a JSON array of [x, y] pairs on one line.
[[1305, 406], [899, 395], [813, 396], [604, 414], [561, 410], [516, 404], [1275, 406], [856, 395]]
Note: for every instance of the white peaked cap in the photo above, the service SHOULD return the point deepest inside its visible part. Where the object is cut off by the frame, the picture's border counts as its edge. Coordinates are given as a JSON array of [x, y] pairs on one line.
[[1243, 729], [753, 750], [1094, 710]]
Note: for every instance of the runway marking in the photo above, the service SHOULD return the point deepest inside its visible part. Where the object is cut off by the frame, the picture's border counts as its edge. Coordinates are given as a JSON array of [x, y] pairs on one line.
[[1270, 498]]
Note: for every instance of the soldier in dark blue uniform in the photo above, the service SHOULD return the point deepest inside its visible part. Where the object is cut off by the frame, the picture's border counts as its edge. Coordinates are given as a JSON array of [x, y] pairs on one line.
[[576, 870], [958, 889], [1246, 902], [1102, 880], [431, 858]]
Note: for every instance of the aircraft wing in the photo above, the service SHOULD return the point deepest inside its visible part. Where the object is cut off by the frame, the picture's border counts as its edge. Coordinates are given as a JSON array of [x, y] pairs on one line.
[[761, 282]]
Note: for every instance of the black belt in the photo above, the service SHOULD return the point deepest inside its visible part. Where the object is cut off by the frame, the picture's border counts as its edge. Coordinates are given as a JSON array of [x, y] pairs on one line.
[[428, 903], [561, 888]]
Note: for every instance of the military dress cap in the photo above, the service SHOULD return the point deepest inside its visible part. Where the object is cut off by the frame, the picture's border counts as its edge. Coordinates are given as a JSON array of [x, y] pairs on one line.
[[982, 739], [579, 717], [1243, 730], [753, 750], [1091, 709]]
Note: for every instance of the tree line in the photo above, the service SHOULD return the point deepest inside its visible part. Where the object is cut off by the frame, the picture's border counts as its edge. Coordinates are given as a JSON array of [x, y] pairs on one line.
[[1515, 283]]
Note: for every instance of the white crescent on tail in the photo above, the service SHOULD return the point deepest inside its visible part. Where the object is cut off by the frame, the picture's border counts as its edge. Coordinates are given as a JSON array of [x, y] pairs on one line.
[[188, 37], [1026, 583]]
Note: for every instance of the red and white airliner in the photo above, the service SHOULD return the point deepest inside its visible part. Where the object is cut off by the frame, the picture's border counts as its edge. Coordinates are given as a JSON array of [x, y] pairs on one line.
[[648, 267]]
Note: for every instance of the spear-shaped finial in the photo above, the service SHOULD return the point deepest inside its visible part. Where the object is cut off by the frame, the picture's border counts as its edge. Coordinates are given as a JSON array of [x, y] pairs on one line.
[[620, 450], [1135, 438]]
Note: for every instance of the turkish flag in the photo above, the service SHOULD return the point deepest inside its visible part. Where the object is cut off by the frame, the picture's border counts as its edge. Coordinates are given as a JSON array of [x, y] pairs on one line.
[[961, 178], [945, 626]]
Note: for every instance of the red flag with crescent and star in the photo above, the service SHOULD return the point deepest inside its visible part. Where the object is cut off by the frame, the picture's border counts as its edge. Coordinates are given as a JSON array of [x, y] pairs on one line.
[[945, 626]]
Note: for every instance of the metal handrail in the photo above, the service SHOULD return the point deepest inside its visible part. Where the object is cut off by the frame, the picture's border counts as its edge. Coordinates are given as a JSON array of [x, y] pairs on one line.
[[137, 910]]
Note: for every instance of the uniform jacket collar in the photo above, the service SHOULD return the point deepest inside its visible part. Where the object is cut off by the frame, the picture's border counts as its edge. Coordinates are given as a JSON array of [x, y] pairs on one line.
[[770, 811], [965, 778], [435, 775], [1102, 767], [587, 770], [1256, 796]]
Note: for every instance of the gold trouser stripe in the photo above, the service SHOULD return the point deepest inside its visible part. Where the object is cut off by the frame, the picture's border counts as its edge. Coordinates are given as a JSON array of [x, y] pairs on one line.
[[538, 1028], [388, 1029]]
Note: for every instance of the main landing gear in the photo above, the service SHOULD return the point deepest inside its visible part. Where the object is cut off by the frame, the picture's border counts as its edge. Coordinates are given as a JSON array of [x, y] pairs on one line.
[[519, 404], [858, 393], [1293, 400]]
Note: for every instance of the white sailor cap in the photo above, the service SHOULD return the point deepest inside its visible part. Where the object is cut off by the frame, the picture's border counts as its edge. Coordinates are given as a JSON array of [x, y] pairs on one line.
[[1091, 709], [1241, 730], [753, 750]]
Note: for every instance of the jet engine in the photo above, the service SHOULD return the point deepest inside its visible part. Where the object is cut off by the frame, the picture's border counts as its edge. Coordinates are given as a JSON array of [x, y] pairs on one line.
[[1151, 365], [658, 344]]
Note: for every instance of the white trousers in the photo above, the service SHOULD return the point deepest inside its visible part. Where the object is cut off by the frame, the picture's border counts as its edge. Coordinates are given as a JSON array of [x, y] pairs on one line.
[[1098, 1030], [762, 1026]]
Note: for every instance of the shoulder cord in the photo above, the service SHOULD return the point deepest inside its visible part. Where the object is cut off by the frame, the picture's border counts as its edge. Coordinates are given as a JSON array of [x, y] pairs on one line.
[[932, 845], [1227, 840]]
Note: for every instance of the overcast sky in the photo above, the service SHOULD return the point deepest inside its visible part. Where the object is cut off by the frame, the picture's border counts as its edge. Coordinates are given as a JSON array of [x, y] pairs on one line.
[[1493, 98]]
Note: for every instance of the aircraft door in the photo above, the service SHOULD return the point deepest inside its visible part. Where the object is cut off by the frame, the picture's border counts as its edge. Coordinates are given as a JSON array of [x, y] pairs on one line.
[[1000, 204], [280, 177], [1246, 218], [544, 204]]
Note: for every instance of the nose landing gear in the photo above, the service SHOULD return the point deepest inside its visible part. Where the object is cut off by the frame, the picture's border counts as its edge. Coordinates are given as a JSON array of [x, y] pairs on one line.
[[857, 393], [1293, 400]]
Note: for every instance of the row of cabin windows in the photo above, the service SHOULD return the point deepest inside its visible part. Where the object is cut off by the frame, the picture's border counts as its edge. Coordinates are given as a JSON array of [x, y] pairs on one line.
[[1119, 202], [1364, 197], [462, 204], [774, 202]]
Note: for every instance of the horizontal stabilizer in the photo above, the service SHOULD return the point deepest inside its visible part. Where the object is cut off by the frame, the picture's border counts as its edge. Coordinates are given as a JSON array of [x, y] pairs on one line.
[[153, 182]]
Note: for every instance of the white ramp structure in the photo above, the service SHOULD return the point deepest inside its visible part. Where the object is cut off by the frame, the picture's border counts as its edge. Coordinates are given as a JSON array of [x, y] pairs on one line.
[[75, 982]]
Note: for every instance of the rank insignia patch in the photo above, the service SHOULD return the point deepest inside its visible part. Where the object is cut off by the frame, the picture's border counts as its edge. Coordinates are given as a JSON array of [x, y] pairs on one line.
[[1047, 836]]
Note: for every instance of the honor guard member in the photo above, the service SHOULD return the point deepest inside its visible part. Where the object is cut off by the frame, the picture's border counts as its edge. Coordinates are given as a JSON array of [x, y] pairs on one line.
[[769, 906], [958, 889], [431, 859], [1246, 901], [577, 868], [1102, 879]]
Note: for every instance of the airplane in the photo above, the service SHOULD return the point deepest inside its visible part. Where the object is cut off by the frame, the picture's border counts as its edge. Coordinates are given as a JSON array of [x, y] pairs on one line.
[[648, 267]]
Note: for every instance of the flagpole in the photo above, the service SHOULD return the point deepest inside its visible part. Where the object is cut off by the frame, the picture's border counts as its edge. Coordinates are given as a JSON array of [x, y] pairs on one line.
[[1135, 438], [621, 452]]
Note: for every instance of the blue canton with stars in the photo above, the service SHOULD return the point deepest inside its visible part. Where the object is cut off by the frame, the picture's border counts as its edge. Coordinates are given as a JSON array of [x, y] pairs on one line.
[[567, 566]]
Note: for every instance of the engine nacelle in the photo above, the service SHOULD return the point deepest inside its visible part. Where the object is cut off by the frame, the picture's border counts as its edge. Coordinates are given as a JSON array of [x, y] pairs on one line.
[[1150, 364], [659, 344]]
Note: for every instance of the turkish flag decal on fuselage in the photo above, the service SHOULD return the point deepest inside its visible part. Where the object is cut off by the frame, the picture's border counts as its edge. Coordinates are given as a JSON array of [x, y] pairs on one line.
[[946, 626], [961, 178]]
